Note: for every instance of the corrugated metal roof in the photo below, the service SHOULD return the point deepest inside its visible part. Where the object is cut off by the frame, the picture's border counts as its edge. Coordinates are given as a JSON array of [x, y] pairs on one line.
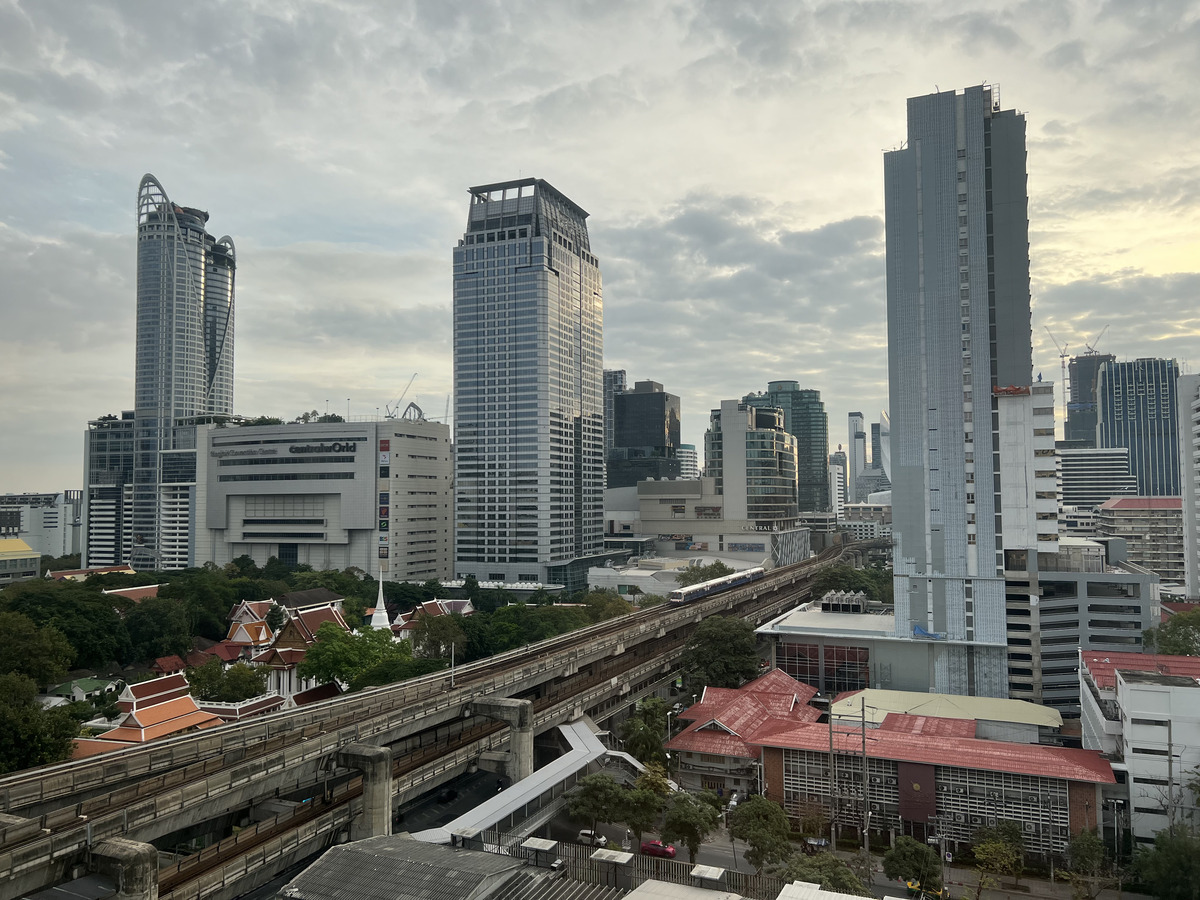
[[1103, 667], [945, 706], [929, 726]]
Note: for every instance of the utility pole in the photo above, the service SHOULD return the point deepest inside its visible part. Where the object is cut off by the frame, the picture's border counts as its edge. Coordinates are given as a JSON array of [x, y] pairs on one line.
[[832, 787], [865, 780]]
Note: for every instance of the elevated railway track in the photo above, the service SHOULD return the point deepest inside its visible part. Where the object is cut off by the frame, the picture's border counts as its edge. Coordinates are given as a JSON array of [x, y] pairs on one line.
[[52, 816]]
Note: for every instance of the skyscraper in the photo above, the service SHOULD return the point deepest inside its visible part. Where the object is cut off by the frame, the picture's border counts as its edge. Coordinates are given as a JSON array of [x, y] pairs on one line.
[[645, 435], [528, 388], [973, 481], [614, 384], [804, 418], [1080, 427], [753, 459], [1136, 408], [183, 371], [856, 453]]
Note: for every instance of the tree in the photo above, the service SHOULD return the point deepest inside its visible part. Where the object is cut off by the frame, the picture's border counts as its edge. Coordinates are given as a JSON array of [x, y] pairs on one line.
[[597, 798], [644, 732], [158, 626], [433, 636], [642, 810], [243, 567], [763, 825], [88, 619], [911, 860], [43, 654], [698, 574], [212, 681], [276, 618], [1171, 868], [339, 655], [654, 779], [29, 735], [689, 821], [721, 653], [604, 605], [825, 870], [1178, 636], [1086, 869], [1010, 861], [60, 563]]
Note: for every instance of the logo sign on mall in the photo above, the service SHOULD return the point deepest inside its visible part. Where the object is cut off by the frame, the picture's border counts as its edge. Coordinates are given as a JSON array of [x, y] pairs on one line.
[[335, 447]]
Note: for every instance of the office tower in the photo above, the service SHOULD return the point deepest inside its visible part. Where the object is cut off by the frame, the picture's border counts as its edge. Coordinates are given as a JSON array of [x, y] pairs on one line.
[[645, 435], [184, 366], [528, 388], [752, 458], [840, 460], [614, 383], [1136, 408], [689, 463], [804, 418], [1188, 398], [970, 428], [1080, 427], [837, 486], [1089, 476], [856, 454], [108, 491]]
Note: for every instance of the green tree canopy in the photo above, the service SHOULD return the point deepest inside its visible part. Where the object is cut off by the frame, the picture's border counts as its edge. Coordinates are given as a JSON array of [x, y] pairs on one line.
[[89, 620], [642, 810], [1171, 868], [689, 821], [720, 653], [343, 656], [43, 654], [158, 626], [29, 735], [873, 581], [763, 825], [605, 605], [825, 870], [1087, 868], [697, 574], [212, 681], [998, 857], [1178, 636], [433, 636], [911, 860], [597, 798], [644, 732]]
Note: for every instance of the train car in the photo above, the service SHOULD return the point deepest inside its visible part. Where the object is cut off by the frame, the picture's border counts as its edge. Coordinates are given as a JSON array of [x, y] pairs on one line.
[[683, 595]]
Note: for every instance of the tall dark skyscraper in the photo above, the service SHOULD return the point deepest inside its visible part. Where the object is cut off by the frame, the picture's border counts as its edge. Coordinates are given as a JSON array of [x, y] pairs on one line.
[[1080, 428], [1136, 408], [969, 514], [528, 388], [645, 435], [804, 418]]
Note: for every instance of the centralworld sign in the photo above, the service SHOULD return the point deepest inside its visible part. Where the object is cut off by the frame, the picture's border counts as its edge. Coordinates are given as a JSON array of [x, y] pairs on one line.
[[335, 447]]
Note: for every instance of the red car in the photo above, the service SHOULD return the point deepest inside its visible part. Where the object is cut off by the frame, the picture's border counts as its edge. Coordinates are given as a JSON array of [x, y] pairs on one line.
[[658, 848]]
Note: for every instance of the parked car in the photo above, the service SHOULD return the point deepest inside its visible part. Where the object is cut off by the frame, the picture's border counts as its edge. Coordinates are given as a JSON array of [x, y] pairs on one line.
[[592, 839], [658, 848]]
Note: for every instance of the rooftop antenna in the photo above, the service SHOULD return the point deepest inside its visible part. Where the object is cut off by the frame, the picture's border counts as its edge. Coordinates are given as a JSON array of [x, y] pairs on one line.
[[1062, 358]]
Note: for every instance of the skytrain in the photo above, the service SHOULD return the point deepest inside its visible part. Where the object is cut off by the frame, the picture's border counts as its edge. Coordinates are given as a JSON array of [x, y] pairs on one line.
[[683, 595]]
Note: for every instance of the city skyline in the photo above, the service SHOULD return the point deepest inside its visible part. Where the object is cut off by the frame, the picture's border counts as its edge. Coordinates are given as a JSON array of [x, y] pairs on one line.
[[731, 162]]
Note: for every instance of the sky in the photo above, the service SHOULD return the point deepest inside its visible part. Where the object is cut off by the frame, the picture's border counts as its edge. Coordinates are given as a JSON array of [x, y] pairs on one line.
[[730, 156]]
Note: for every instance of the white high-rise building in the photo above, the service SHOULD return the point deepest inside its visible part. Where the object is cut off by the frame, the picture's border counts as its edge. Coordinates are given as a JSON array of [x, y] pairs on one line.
[[528, 388], [1188, 398], [972, 453], [856, 453]]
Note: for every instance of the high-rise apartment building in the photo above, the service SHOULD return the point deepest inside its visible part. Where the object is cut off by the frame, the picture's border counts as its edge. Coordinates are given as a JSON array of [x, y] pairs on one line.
[[856, 453], [1136, 407], [752, 458], [689, 462], [1089, 476], [1188, 398], [972, 452], [645, 435], [804, 418], [528, 388], [1080, 427]]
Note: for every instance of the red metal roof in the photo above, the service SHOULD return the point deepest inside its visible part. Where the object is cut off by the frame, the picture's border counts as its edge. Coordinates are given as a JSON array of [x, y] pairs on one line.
[[1103, 666], [930, 726], [317, 694], [967, 753], [1143, 503]]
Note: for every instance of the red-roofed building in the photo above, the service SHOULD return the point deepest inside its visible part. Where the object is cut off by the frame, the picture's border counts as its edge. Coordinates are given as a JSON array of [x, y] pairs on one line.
[[295, 637], [1143, 712], [168, 665], [924, 775], [137, 594], [84, 574], [151, 710], [1152, 528], [406, 623]]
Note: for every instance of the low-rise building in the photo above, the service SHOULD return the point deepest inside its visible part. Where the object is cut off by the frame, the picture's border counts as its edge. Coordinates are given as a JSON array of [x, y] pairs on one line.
[[18, 561], [1142, 711], [51, 524]]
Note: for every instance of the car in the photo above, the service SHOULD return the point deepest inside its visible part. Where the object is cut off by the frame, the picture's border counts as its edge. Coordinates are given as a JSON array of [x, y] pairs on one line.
[[658, 848], [591, 838]]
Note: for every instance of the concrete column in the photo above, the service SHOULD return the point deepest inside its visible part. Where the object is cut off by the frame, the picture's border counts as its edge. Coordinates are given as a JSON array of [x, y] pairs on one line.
[[132, 865], [518, 714], [375, 763]]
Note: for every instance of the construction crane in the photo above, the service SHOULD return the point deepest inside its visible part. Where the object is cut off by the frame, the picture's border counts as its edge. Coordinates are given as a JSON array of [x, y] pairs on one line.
[[1091, 348], [391, 411], [1062, 358]]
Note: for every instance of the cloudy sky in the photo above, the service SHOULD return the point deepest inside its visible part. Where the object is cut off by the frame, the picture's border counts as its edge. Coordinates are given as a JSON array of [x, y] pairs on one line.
[[730, 156]]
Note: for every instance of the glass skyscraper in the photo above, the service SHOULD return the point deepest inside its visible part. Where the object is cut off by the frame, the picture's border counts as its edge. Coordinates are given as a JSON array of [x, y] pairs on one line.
[[184, 365], [528, 388], [804, 418], [1136, 408]]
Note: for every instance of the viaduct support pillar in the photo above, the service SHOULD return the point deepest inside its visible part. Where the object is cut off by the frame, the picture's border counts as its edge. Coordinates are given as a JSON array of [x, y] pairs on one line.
[[375, 763], [132, 865], [519, 716]]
